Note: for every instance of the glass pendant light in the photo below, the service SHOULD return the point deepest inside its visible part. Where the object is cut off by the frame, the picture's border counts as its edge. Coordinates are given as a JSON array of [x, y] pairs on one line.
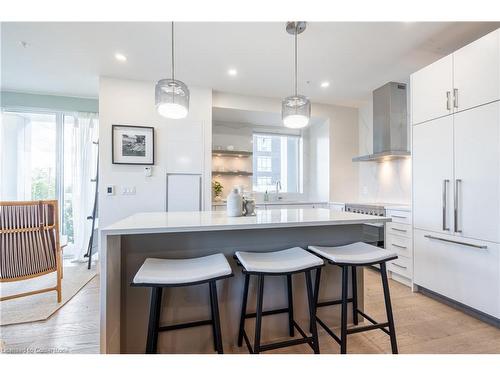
[[295, 109], [171, 95]]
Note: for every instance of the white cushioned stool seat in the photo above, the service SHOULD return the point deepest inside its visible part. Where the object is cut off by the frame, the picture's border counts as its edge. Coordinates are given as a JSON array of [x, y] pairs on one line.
[[355, 253], [289, 260], [182, 271]]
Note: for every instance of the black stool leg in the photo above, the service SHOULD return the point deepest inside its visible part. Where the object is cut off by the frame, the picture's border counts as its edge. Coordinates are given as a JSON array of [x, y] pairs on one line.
[[290, 305], [388, 308], [212, 314], [317, 280], [154, 320], [354, 297], [243, 310], [343, 318], [258, 315], [312, 312], [216, 318]]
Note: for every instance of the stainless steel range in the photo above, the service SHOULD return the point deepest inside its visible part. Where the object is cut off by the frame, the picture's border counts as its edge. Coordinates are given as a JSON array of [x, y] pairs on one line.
[[372, 233]]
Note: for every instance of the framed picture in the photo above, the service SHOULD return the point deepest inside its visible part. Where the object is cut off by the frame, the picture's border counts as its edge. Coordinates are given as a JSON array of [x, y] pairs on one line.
[[133, 145]]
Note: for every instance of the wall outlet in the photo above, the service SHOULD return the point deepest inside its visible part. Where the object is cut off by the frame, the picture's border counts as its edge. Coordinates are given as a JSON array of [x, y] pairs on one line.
[[148, 171], [128, 190], [110, 190]]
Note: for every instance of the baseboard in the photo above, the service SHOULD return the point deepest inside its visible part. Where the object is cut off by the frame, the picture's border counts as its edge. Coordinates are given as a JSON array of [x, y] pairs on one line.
[[460, 306], [400, 279]]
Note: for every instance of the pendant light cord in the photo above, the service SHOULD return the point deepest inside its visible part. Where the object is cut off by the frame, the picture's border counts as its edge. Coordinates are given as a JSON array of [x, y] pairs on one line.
[[296, 32], [173, 77]]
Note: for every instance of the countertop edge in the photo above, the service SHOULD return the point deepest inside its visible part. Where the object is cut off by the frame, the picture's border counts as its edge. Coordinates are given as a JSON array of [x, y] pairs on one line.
[[213, 228]]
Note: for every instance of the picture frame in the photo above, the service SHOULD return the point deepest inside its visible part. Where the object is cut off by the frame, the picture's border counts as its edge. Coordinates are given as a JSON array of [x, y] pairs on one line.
[[132, 145]]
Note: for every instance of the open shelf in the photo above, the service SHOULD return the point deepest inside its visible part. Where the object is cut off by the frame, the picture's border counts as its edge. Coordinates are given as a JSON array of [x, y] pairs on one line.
[[232, 173], [233, 153]]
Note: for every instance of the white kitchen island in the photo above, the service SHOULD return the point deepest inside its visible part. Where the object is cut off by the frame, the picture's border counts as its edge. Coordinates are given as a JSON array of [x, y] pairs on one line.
[[128, 242]]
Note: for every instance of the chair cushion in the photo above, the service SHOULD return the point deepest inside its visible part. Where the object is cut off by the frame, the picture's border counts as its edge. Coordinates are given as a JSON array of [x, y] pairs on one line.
[[355, 253], [289, 260], [182, 271]]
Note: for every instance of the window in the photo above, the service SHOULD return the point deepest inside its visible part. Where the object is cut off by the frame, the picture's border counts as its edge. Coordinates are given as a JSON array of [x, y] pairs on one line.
[[263, 164], [276, 157], [263, 143]]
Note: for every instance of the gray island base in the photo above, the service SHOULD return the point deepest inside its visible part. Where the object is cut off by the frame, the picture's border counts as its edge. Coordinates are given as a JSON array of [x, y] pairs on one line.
[[127, 243]]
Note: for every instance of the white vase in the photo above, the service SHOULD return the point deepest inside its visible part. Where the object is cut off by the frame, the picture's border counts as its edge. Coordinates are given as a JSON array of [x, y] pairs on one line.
[[234, 203]]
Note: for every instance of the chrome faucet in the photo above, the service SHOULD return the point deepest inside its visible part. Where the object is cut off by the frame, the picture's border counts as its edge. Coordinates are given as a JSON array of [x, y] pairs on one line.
[[278, 188]]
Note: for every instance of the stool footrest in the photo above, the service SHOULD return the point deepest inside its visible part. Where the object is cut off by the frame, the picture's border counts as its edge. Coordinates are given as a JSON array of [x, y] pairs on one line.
[[331, 303], [374, 325], [367, 328], [373, 321], [328, 330], [269, 312], [284, 344], [185, 325], [304, 340]]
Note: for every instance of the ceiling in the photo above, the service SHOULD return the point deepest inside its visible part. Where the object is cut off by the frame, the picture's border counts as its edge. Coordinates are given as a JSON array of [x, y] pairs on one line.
[[68, 58], [242, 118]]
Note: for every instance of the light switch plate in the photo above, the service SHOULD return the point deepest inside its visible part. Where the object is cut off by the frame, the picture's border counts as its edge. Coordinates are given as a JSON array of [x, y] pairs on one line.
[[110, 190], [128, 190]]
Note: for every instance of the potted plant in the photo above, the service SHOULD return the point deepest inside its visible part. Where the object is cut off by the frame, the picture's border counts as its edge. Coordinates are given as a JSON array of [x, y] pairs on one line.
[[217, 190]]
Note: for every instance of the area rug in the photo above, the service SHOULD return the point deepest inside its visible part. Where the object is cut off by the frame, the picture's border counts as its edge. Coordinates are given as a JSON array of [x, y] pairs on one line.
[[42, 306]]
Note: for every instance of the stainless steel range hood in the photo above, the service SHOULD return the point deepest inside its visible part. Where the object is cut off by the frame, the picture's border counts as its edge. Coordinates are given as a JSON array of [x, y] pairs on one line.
[[390, 124]]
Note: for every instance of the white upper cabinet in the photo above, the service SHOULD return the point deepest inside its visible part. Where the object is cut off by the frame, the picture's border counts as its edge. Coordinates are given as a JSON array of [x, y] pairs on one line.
[[431, 91], [476, 70], [465, 79], [433, 175], [477, 172]]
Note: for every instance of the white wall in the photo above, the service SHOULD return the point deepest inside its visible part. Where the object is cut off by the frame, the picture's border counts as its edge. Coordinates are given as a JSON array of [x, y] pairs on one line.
[[180, 146], [342, 124], [388, 181], [317, 162]]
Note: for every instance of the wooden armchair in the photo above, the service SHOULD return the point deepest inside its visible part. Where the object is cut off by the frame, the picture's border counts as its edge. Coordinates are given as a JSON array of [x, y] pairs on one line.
[[29, 243]]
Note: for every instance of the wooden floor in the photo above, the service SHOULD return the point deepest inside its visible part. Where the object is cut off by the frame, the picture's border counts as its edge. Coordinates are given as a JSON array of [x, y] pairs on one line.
[[423, 325]]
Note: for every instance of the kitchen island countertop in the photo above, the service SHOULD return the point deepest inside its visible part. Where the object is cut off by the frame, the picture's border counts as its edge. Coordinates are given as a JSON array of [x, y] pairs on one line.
[[168, 222]]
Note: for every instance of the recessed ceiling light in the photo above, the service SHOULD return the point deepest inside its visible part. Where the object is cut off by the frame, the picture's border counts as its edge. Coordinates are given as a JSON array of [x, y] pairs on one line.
[[232, 72], [325, 84], [120, 57]]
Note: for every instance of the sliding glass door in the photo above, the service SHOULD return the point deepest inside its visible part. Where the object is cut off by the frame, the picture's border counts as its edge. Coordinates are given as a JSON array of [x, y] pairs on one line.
[[51, 155]]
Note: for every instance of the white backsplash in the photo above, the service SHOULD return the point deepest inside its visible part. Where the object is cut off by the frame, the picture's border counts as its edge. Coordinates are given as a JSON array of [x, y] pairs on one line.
[[387, 181]]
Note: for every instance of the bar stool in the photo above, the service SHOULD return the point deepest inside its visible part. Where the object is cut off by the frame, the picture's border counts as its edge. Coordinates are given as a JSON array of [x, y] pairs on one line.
[[168, 273], [278, 263], [354, 255]]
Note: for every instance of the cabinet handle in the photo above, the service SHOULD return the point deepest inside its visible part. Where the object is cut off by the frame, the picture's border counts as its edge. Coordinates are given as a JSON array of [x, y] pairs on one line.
[[400, 266], [400, 230], [445, 204], [457, 242], [448, 95], [399, 216], [455, 98], [401, 247], [458, 183]]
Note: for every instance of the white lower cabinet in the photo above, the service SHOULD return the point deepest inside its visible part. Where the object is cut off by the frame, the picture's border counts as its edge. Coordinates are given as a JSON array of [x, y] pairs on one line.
[[398, 238], [401, 266], [466, 272]]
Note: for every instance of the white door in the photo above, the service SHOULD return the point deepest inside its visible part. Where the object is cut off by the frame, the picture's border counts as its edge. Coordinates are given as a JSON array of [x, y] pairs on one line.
[[431, 90], [476, 72], [465, 272], [477, 172], [183, 192], [433, 175]]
